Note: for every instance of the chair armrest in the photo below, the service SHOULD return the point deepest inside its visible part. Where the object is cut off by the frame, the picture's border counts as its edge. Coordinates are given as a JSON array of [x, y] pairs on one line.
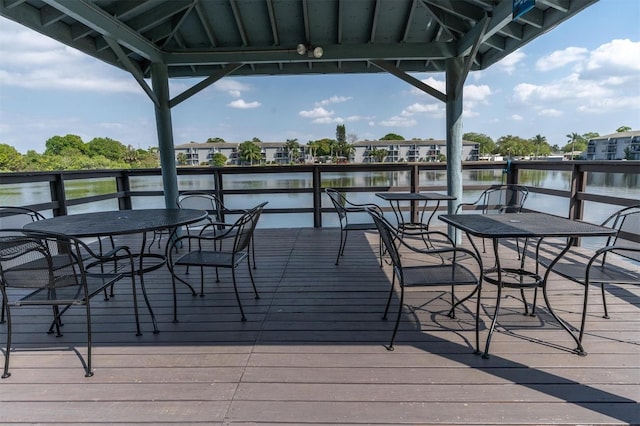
[[462, 205]]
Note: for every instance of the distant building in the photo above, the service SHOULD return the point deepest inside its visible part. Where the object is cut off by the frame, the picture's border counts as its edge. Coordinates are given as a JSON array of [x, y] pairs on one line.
[[197, 154], [419, 150], [616, 146]]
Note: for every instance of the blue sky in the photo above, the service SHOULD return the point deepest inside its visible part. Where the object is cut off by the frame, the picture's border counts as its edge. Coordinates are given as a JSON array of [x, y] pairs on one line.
[[583, 76]]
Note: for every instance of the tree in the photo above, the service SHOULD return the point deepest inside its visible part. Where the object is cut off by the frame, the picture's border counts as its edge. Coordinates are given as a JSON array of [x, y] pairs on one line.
[[575, 143], [292, 148], [218, 159], [379, 154], [541, 147], [215, 140], [341, 133], [392, 137], [514, 146], [181, 159], [65, 145], [321, 147], [10, 159], [250, 152], [352, 138], [622, 129], [487, 145], [109, 148]]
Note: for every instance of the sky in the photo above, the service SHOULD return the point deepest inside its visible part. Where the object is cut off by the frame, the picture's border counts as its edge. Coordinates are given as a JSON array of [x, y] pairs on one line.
[[581, 77]]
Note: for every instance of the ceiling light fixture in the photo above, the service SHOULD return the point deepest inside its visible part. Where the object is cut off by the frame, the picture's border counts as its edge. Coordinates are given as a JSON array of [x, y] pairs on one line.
[[311, 51]]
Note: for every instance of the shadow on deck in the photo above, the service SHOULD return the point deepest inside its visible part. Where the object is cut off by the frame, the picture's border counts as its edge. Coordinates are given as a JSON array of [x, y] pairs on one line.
[[312, 352]]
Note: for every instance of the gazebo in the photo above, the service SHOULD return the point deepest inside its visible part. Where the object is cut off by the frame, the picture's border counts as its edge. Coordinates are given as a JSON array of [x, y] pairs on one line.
[[158, 40]]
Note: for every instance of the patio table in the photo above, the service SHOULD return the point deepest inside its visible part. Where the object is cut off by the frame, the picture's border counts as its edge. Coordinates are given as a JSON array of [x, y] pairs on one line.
[[123, 222], [523, 225]]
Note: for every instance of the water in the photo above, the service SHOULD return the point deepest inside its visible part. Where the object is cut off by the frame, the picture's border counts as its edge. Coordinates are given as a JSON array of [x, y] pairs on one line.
[[618, 184]]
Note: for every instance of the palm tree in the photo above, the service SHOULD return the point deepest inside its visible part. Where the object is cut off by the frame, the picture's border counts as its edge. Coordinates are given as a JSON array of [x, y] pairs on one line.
[[292, 148], [249, 151], [538, 140], [573, 137]]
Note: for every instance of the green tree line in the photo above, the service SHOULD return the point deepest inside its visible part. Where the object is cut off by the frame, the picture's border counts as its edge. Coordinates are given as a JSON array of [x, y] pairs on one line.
[[71, 153]]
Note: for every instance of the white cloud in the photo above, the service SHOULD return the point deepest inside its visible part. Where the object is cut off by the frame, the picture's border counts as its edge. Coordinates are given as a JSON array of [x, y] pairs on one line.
[[509, 63], [418, 108], [242, 104], [328, 120], [399, 121], [550, 112], [334, 100], [353, 118], [33, 61], [439, 85], [517, 117], [318, 112], [616, 58], [560, 58], [231, 87]]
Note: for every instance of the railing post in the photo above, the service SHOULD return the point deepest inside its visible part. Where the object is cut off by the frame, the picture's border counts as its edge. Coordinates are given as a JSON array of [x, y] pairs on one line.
[[58, 197], [578, 185], [123, 185], [317, 197], [415, 188]]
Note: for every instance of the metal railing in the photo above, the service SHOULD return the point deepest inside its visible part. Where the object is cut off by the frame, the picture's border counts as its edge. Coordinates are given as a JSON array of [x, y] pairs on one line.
[[510, 171]]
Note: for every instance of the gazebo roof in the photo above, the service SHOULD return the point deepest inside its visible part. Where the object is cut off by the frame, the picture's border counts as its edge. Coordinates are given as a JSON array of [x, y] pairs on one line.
[[200, 38]]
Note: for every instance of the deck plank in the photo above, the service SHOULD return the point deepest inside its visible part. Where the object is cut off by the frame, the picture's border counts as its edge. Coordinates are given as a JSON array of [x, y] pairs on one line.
[[312, 352]]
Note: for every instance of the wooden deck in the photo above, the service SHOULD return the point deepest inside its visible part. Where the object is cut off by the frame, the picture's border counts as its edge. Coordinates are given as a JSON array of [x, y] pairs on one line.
[[312, 352]]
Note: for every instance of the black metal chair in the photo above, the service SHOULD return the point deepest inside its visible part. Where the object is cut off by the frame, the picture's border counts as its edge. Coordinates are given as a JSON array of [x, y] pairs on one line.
[[199, 200], [204, 252], [614, 263], [14, 217], [445, 265], [48, 269], [498, 199], [346, 209]]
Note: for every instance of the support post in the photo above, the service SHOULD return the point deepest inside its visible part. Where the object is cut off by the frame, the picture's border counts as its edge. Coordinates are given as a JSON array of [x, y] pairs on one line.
[[454, 138], [160, 84]]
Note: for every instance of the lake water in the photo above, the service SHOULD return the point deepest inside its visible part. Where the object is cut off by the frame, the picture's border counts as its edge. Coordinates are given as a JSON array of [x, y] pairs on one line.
[[618, 184]]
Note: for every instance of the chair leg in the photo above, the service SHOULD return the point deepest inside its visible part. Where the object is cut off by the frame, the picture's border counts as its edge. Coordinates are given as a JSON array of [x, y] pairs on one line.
[[386, 309], [604, 302], [253, 283], [235, 288], [343, 242], [395, 328], [88, 371], [6, 373]]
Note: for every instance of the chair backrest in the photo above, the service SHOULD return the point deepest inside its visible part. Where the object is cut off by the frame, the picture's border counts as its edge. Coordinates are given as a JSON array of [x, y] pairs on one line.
[[339, 202], [201, 201], [16, 217], [503, 199], [38, 260], [626, 222], [243, 228], [388, 236]]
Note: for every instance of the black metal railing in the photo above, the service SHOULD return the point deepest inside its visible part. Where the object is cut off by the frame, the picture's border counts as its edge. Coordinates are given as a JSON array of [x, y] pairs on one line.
[[121, 182]]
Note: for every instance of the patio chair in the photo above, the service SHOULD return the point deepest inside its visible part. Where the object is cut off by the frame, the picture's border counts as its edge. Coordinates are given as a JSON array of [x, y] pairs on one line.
[[204, 252], [498, 199], [614, 263], [48, 269], [429, 266], [14, 217], [199, 200], [346, 210]]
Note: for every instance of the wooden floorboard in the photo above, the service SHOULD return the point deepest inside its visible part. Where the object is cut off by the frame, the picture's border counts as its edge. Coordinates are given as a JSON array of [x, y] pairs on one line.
[[312, 351]]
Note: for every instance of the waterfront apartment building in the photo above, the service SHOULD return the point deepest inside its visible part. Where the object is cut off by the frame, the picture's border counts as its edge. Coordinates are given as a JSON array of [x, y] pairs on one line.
[[198, 154], [616, 146]]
